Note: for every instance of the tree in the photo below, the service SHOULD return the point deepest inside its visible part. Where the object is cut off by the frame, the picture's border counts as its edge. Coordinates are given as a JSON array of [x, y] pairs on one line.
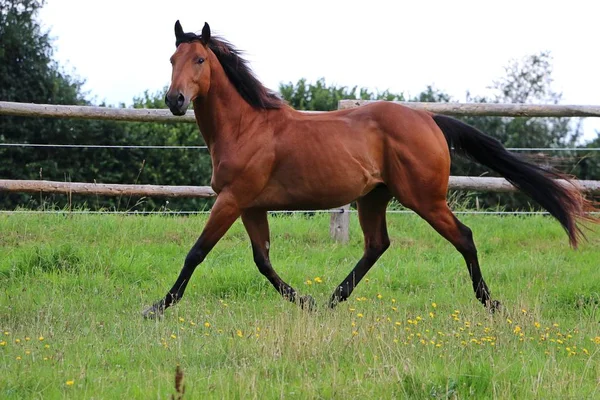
[[528, 80], [169, 166], [29, 74], [320, 97]]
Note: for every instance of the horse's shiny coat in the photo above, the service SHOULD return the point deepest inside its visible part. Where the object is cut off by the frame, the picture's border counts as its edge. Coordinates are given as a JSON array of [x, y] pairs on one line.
[[268, 156]]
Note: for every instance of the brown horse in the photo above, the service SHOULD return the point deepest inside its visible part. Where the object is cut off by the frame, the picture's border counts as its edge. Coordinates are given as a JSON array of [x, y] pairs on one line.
[[268, 156]]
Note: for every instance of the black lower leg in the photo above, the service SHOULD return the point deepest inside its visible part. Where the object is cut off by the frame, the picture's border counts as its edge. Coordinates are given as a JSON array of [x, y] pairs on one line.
[[193, 259], [469, 251], [371, 215], [263, 263], [345, 289]]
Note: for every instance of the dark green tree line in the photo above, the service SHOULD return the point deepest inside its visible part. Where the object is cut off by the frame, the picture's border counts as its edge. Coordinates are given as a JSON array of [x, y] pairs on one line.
[[28, 73]]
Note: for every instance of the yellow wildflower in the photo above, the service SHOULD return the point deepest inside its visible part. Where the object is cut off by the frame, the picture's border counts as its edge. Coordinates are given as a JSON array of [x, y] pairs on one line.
[[239, 333], [318, 279], [173, 336], [308, 282], [517, 329], [69, 383], [596, 340], [207, 324], [359, 315], [41, 338], [433, 305]]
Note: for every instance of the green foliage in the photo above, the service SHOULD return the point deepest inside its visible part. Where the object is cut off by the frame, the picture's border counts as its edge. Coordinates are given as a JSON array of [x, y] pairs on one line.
[[29, 74], [169, 166], [320, 97], [528, 80]]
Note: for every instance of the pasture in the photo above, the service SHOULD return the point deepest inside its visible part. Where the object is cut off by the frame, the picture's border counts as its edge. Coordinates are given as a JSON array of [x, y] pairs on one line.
[[72, 289]]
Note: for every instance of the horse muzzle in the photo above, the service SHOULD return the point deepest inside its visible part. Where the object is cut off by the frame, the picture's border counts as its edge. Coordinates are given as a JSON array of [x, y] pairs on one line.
[[177, 103]]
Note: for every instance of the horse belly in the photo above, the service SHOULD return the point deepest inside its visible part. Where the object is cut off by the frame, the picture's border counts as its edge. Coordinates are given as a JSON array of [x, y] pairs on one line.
[[319, 187]]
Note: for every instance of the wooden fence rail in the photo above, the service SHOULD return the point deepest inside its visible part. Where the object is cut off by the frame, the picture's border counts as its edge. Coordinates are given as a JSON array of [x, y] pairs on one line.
[[492, 109], [163, 115], [105, 189]]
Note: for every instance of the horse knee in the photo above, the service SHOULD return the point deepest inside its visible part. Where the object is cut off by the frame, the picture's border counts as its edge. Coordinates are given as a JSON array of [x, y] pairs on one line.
[[374, 249], [194, 257], [466, 243]]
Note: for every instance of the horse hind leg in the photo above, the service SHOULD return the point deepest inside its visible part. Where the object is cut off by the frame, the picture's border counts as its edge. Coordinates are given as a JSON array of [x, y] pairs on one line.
[[429, 202], [441, 218], [371, 215]]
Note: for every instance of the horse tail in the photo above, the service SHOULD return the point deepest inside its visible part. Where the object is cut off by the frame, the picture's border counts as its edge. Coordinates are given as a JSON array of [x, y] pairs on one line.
[[563, 201]]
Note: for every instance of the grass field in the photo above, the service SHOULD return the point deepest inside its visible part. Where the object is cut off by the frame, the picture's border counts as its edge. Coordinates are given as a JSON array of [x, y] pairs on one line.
[[72, 289]]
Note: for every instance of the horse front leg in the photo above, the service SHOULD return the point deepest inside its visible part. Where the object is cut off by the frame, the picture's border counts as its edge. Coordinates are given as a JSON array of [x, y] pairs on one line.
[[257, 226], [222, 216]]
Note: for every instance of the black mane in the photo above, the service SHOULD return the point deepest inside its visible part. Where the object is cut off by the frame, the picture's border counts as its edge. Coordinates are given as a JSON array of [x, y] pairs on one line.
[[238, 72]]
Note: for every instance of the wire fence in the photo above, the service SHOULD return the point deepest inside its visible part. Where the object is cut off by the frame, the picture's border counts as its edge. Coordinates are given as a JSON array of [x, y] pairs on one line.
[[284, 212], [100, 146], [86, 112]]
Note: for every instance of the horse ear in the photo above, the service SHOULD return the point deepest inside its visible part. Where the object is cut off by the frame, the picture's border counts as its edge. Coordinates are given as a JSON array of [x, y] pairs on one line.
[[178, 30], [206, 33]]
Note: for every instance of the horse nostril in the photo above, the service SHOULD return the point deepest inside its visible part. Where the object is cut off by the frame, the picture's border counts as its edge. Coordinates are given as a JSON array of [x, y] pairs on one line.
[[167, 100], [180, 100]]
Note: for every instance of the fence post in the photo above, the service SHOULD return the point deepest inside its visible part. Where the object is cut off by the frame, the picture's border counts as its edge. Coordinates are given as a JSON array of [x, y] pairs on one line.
[[339, 226]]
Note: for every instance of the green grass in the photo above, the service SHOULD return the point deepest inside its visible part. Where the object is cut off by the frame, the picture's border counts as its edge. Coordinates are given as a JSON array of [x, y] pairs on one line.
[[80, 283]]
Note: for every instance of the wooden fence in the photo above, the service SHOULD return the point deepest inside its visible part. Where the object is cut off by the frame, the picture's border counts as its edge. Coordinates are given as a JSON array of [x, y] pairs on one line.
[[339, 221]]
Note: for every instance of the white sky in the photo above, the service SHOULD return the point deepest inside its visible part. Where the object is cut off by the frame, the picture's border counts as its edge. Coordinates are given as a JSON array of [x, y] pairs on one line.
[[122, 48]]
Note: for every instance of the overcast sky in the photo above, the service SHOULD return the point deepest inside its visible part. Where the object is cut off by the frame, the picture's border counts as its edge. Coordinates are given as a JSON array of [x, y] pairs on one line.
[[122, 48]]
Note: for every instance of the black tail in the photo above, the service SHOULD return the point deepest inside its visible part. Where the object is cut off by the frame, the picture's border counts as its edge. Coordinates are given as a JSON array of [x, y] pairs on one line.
[[565, 203]]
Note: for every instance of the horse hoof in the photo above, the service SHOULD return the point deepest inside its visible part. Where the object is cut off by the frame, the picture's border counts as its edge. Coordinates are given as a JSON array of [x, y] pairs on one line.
[[308, 303], [494, 306], [152, 312], [333, 303]]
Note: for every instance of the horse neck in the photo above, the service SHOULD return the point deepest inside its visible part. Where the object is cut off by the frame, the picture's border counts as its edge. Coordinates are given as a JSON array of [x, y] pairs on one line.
[[220, 114]]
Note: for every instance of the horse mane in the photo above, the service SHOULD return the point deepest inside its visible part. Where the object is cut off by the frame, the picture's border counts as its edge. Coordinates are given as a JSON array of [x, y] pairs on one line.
[[239, 73]]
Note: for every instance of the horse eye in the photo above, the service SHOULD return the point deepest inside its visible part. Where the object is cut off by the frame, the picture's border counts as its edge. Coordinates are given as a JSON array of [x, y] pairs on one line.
[[200, 60]]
